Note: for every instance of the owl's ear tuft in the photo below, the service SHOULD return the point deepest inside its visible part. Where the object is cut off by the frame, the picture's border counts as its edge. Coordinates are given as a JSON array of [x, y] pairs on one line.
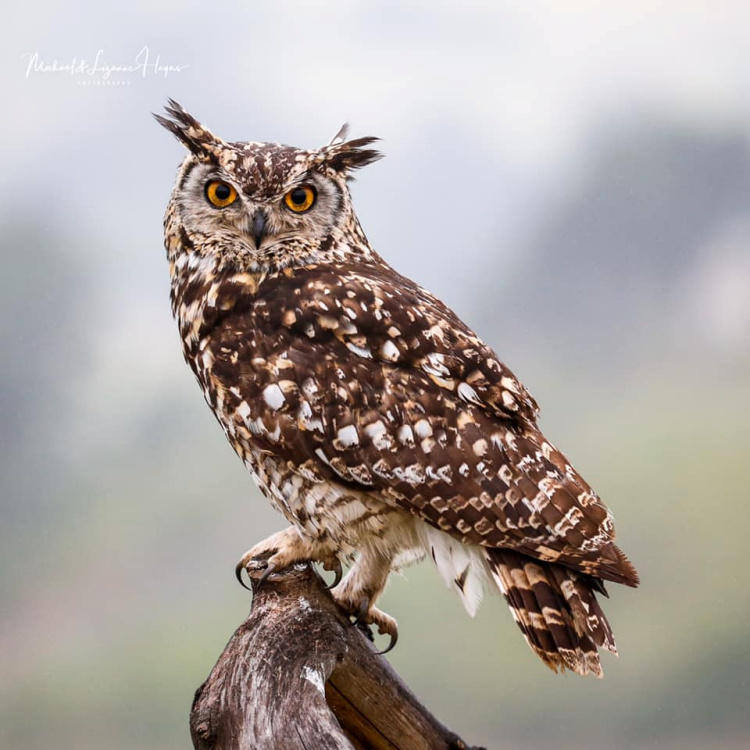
[[196, 137], [343, 156]]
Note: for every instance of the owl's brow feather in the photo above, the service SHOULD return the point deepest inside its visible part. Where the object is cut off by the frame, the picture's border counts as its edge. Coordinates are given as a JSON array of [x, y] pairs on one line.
[[250, 185]]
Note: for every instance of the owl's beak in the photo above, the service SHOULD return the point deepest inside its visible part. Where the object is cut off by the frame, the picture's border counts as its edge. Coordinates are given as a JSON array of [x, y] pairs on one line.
[[258, 227]]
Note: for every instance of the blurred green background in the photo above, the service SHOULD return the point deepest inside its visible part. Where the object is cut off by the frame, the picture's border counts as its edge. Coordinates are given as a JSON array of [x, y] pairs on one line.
[[573, 178]]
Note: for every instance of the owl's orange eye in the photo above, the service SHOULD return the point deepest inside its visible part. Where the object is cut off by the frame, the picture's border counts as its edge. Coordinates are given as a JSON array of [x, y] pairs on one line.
[[300, 199], [220, 194]]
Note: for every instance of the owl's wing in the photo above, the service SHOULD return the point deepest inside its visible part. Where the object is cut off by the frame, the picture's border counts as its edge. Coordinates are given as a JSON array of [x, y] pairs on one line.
[[379, 386], [379, 314]]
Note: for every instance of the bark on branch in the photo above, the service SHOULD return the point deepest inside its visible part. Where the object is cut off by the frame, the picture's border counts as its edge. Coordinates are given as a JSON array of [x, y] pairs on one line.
[[296, 675]]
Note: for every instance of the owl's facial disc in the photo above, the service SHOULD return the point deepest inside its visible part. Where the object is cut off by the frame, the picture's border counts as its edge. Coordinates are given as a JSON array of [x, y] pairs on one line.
[[249, 218]]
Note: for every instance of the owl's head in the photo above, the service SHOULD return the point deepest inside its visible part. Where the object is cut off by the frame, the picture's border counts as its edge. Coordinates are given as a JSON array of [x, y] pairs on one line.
[[263, 206]]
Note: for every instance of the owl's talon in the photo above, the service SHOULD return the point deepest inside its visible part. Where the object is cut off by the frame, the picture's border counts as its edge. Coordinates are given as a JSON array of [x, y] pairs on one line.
[[270, 568], [253, 561], [238, 573], [391, 645], [280, 551], [338, 573], [385, 624]]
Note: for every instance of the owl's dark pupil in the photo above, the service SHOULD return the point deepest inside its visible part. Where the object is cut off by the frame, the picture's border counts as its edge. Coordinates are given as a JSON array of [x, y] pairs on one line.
[[299, 196], [222, 192]]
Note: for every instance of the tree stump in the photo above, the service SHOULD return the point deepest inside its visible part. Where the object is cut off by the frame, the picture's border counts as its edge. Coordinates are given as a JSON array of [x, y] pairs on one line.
[[297, 675]]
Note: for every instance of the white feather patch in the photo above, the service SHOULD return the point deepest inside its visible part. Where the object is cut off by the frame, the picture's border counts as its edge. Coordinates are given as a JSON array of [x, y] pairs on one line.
[[457, 563], [273, 396]]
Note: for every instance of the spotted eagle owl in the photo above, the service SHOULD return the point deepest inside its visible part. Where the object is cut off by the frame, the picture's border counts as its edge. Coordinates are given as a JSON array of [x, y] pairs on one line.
[[369, 414]]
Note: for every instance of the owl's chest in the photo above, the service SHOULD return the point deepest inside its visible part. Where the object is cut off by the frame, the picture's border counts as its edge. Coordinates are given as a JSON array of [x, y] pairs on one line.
[[250, 372], [243, 385], [324, 509], [233, 374]]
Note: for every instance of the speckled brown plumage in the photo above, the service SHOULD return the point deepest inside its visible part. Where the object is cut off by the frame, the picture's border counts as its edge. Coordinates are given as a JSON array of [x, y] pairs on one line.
[[367, 411]]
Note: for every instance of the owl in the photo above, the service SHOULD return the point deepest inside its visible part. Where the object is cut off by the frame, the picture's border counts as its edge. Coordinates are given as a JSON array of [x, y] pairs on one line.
[[376, 421]]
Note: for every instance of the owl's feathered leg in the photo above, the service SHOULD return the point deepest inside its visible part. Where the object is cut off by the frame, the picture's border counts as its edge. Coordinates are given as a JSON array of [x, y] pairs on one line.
[[360, 589], [284, 548]]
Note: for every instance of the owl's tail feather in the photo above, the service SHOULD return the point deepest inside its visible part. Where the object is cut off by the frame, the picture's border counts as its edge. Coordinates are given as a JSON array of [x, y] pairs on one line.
[[556, 609]]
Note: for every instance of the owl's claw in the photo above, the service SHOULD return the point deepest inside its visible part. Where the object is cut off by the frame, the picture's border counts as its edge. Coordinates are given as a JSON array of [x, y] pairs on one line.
[[238, 573], [391, 645], [280, 551], [338, 572], [244, 564], [386, 625], [251, 563], [270, 568]]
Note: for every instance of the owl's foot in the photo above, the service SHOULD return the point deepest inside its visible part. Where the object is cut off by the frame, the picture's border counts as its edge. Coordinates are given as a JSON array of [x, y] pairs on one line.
[[385, 624], [364, 613], [283, 549]]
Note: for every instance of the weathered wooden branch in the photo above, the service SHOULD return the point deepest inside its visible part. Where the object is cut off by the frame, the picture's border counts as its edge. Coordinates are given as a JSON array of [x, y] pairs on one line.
[[296, 675]]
